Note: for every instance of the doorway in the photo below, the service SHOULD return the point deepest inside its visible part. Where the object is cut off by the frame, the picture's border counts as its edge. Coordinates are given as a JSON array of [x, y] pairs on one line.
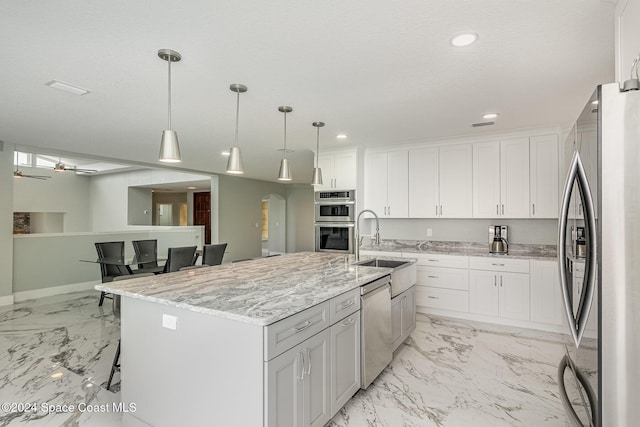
[[202, 213], [274, 225]]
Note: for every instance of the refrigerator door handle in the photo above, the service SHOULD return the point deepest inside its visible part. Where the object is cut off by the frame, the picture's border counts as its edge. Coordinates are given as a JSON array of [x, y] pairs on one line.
[[577, 322]]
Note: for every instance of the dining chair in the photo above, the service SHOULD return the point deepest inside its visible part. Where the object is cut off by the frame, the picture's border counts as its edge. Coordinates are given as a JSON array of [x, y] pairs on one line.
[[179, 257], [115, 366], [110, 271], [212, 254], [147, 249]]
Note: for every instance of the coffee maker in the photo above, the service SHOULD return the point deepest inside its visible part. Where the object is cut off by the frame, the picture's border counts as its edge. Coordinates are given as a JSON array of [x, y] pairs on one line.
[[498, 239], [579, 242]]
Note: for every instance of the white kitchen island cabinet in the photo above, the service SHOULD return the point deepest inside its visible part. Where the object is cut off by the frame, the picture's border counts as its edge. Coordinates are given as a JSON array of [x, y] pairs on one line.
[[247, 345]]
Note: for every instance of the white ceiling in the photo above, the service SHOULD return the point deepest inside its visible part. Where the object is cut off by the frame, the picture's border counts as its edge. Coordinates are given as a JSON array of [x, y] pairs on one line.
[[381, 71]]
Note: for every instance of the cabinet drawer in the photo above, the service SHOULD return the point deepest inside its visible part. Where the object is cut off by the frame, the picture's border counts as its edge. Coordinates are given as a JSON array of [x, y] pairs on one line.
[[445, 299], [499, 264], [291, 331], [449, 278], [439, 260], [343, 305]]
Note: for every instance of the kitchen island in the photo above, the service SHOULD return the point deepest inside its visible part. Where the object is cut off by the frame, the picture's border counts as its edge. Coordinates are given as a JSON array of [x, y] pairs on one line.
[[200, 347]]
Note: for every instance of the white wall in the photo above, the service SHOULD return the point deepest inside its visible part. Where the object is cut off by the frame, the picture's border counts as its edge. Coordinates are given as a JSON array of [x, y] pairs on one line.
[[109, 194], [627, 37], [140, 205], [6, 223], [64, 192]]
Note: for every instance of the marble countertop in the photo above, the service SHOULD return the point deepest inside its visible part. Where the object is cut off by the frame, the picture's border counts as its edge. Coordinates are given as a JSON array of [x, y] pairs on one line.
[[520, 251], [261, 291]]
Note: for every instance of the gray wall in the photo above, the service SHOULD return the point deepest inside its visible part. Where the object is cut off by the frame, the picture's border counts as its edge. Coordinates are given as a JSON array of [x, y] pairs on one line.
[[6, 220], [65, 193], [140, 207], [300, 217], [240, 214], [531, 231], [175, 199]]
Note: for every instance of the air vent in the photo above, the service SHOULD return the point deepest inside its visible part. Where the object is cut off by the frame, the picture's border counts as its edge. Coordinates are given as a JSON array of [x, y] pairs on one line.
[[477, 125]]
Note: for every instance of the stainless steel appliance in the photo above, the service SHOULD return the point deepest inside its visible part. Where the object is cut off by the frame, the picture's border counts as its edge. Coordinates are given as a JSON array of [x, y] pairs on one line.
[[498, 239], [599, 378], [579, 244], [335, 221], [375, 334], [335, 206], [335, 237]]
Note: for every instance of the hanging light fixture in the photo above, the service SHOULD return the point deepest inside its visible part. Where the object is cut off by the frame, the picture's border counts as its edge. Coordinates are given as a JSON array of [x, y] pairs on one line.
[[169, 148], [317, 172], [285, 173], [234, 164]]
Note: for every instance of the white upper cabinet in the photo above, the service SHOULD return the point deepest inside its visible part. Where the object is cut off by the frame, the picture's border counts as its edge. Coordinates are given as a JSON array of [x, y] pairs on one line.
[[386, 183], [440, 182], [544, 187], [501, 179], [339, 170]]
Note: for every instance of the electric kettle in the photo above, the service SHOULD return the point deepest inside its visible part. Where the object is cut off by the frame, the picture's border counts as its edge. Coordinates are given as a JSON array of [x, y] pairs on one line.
[[498, 243]]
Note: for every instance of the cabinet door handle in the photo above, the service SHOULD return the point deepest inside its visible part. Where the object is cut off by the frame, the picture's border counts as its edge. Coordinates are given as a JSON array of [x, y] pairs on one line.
[[534, 208], [389, 210], [440, 210], [344, 305], [498, 264], [502, 209], [497, 210], [500, 281], [302, 326], [433, 277], [299, 366], [308, 370], [347, 322], [433, 260], [433, 297], [495, 281], [436, 210]]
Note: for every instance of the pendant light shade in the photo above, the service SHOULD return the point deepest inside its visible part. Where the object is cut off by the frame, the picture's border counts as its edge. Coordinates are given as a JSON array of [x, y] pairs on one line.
[[169, 147], [234, 164], [317, 172], [284, 174]]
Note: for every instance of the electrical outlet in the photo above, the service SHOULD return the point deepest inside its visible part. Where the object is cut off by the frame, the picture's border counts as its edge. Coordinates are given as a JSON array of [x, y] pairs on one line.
[[169, 322], [429, 232]]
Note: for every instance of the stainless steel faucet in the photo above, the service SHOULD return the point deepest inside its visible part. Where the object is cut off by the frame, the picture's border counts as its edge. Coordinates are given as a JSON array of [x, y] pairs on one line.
[[376, 237]]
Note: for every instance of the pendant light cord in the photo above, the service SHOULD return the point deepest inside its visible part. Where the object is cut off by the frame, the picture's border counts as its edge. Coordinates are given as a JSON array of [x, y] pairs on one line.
[[237, 115], [317, 145], [169, 61], [285, 135]]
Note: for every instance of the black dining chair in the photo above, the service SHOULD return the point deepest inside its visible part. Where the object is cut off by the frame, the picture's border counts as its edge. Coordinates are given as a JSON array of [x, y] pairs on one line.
[[108, 271], [212, 254], [148, 250], [115, 366], [179, 257]]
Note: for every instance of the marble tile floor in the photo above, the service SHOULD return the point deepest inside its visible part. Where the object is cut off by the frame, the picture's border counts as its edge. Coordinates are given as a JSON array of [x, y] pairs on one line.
[[58, 350]]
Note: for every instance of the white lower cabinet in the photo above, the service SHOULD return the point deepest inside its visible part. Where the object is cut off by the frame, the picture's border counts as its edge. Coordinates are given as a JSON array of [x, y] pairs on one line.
[[403, 316], [503, 294], [298, 384], [546, 295], [345, 360]]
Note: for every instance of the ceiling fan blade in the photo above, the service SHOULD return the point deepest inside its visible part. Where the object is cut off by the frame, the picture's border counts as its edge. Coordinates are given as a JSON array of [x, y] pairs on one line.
[[81, 170], [36, 176]]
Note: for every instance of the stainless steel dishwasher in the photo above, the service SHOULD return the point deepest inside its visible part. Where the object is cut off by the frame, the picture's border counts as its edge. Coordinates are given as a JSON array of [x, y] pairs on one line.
[[375, 333]]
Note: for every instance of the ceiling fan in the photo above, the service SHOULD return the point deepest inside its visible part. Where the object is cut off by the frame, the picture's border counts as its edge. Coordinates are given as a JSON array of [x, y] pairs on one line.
[[18, 174], [60, 167]]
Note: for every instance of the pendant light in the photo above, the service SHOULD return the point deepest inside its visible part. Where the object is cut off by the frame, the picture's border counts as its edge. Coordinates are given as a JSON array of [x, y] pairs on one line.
[[234, 165], [169, 148], [285, 173], [317, 172]]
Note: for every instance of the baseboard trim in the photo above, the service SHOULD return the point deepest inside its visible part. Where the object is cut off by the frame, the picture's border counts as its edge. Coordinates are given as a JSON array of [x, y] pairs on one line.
[[6, 300], [55, 290]]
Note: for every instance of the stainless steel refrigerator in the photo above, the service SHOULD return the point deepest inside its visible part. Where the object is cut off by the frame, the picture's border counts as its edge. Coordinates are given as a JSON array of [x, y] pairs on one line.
[[599, 258]]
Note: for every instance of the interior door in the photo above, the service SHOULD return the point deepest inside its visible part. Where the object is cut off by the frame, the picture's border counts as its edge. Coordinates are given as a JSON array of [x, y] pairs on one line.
[[202, 213]]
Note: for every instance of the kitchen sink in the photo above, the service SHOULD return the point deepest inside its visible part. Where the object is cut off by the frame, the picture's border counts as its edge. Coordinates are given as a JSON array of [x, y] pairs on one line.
[[377, 262], [403, 276]]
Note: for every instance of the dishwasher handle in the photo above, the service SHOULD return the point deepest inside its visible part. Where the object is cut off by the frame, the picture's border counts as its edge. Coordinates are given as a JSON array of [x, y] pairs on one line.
[[376, 284]]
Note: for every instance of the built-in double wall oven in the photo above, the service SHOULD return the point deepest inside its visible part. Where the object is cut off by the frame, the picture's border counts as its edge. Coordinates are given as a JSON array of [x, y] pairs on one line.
[[335, 213]]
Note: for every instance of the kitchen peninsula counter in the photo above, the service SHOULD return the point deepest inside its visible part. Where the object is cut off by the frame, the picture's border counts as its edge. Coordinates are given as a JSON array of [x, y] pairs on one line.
[[260, 291]]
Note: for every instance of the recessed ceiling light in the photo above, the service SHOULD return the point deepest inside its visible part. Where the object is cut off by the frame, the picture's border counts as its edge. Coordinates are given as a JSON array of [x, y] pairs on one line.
[[341, 136], [463, 40], [66, 87], [490, 116], [225, 153], [191, 188], [595, 102]]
